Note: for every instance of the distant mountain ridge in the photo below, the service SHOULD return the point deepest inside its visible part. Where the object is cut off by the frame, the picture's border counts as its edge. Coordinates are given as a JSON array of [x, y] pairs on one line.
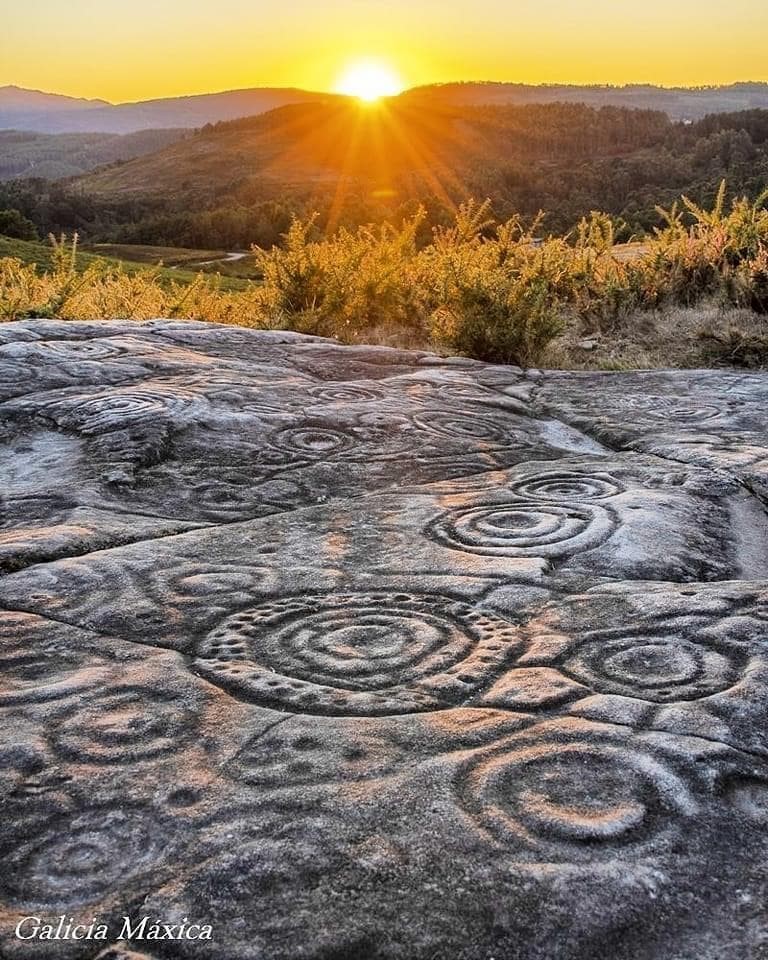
[[21, 100], [33, 110], [37, 112], [680, 103]]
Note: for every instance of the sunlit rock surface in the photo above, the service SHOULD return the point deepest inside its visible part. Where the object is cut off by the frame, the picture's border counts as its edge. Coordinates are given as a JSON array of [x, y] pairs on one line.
[[360, 653]]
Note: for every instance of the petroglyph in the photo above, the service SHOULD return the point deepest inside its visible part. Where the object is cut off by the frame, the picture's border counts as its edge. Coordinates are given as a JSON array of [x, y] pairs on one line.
[[368, 652]]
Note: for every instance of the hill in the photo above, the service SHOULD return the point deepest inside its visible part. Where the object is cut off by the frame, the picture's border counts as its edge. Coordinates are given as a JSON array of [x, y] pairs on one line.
[[20, 100], [236, 183], [50, 113], [398, 149], [54, 156]]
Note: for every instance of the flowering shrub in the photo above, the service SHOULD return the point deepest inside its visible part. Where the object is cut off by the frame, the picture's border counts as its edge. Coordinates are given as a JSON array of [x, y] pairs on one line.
[[492, 291]]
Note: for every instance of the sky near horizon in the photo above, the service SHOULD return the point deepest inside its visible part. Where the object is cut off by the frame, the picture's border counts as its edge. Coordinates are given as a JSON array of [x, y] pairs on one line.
[[158, 48]]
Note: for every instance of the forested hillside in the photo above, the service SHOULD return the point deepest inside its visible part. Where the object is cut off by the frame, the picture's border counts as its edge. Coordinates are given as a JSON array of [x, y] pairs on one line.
[[54, 156], [236, 183], [681, 103]]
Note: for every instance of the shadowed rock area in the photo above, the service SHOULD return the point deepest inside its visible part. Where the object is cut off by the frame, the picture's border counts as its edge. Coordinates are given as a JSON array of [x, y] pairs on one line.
[[352, 652]]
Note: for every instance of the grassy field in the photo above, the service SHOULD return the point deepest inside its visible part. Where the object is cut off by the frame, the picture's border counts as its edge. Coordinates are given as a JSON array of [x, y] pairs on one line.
[[144, 253], [132, 260], [223, 262]]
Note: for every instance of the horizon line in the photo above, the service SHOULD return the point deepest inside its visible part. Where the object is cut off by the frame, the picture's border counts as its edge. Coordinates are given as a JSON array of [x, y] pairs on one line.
[[421, 86]]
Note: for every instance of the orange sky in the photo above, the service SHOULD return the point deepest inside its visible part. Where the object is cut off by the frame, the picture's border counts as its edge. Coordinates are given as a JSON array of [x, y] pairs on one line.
[[153, 48]]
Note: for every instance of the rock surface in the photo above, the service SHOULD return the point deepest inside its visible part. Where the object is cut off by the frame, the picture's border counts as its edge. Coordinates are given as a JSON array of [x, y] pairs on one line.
[[362, 653]]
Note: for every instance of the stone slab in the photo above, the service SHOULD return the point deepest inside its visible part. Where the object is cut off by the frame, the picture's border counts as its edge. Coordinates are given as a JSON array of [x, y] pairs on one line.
[[361, 653]]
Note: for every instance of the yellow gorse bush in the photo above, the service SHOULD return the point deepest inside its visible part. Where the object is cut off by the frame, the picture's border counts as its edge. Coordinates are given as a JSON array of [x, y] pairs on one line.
[[493, 291], [342, 285], [106, 291]]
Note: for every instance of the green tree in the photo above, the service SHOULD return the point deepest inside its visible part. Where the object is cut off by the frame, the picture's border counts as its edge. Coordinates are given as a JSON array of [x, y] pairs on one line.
[[13, 224]]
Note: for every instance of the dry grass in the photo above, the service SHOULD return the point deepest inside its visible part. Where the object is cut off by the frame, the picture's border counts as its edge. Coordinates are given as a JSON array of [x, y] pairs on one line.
[[673, 337]]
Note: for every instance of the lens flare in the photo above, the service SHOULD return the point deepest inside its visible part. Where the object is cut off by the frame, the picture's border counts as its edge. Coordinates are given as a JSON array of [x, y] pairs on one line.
[[369, 80]]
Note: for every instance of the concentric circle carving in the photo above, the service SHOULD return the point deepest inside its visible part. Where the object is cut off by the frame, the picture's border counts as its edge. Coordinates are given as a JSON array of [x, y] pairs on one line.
[[357, 653], [123, 724], [345, 393], [523, 529], [662, 664], [558, 487], [573, 800], [120, 408], [312, 442], [80, 858], [460, 427]]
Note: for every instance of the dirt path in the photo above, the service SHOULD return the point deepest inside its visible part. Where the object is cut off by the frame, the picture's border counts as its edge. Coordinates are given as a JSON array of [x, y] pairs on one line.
[[229, 258]]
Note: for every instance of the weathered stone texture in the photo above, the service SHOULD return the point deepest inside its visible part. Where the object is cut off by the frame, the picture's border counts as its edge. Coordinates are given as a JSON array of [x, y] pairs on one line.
[[361, 653]]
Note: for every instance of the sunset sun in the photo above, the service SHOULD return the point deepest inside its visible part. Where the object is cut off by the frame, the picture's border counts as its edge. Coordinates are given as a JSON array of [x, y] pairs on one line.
[[369, 80]]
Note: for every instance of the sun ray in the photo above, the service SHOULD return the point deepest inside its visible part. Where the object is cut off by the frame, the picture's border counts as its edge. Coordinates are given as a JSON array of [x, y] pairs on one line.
[[349, 156]]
